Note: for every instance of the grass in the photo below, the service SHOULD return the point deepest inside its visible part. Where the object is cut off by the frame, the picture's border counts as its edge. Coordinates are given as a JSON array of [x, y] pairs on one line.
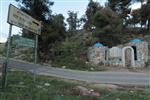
[[2, 46], [22, 87], [76, 64]]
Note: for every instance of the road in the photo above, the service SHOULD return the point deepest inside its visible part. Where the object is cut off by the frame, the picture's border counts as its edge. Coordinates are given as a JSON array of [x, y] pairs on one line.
[[119, 78]]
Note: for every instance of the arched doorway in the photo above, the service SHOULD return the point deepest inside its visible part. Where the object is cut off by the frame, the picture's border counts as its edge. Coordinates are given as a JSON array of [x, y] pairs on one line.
[[128, 57], [135, 52]]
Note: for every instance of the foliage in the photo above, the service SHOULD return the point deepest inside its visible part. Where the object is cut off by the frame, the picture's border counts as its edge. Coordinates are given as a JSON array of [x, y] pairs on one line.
[[121, 7], [145, 15], [39, 9], [107, 38], [141, 15], [103, 20], [123, 10], [53, 26], [106, 23], [72, 53], [2, 49], [92, 8], [58, 23], [136, 17], [72, 21], [99, 20], [22, 87]]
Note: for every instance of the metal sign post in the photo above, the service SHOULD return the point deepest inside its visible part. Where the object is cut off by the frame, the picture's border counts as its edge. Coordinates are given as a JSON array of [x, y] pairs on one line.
[[36, 47], [5, 67], [149, 78], [35, 56]]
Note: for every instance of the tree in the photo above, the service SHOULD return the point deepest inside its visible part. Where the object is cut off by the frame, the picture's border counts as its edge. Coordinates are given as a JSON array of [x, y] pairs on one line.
[[122, 8], [72, 21], [106, 29], [103, 20], [58, 23], [92, 8], [145, 14], [148, 10], [53, 26], [39, 9], [136, 17]]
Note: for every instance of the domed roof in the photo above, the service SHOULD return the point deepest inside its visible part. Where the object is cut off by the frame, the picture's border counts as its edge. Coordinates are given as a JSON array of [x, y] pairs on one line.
[[98, 45], [136, 40]]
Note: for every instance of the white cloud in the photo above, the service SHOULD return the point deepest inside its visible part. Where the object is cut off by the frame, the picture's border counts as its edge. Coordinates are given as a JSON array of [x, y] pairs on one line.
[[135, 6], [3, 40], [94, 0]]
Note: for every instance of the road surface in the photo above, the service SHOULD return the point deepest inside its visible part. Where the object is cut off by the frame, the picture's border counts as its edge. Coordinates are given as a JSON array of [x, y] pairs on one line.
[[119, 78]]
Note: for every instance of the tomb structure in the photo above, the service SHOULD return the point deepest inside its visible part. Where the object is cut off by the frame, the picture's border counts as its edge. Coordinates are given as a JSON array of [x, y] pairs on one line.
[[132, 54]]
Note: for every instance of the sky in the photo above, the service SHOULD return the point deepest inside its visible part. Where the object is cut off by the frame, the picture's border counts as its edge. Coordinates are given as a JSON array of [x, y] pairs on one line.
[[60, 6]]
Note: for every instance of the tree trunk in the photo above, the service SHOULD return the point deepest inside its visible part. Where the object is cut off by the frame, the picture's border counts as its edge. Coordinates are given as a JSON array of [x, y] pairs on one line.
[[141, 25], [148, 25]]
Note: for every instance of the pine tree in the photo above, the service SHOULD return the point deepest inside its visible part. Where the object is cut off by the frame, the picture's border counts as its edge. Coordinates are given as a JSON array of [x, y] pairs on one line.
[[122, 8]]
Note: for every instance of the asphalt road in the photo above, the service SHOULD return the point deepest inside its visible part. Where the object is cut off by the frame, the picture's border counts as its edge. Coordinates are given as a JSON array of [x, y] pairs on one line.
[[119, 78]]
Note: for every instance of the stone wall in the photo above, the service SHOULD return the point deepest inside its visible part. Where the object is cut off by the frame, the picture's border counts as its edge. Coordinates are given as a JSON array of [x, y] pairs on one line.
[[114, 55], [142, 50], [139, 64], [97, 55], [115, 62]]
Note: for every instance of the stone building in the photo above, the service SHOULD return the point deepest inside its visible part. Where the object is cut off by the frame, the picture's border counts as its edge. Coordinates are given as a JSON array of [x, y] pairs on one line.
[[97, 54], [132, 54]]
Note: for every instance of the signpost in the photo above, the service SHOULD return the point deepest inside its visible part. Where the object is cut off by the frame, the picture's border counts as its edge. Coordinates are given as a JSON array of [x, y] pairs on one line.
[[19, 18]]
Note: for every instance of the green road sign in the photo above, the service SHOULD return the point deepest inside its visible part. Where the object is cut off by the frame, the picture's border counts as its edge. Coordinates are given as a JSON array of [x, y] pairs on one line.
[[18, 40]]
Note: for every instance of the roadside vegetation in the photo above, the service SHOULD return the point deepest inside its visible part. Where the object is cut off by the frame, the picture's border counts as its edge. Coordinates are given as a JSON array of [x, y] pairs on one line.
[[22, 86], [67, 48], [65, 45], [2, 49]]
